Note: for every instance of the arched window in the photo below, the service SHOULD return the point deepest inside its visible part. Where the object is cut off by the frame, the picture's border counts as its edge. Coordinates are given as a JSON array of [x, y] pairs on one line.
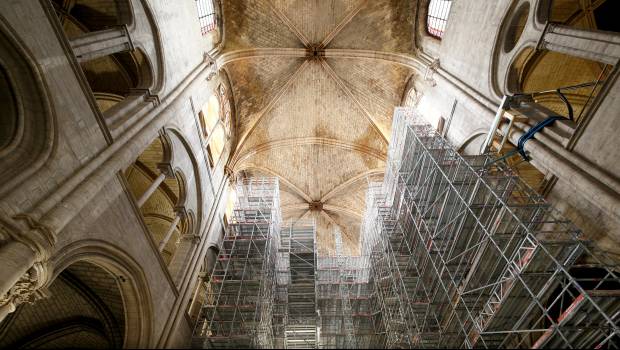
[[210, 115], [206, 15], [213, 128], [216, 143], [412, 98], [437, 18]]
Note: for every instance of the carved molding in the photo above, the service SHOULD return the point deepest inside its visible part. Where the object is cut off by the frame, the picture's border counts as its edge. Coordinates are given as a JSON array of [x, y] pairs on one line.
[[228, 171], [430, 71], [166, 169], [147, 95], [35, 235], [28, 288], [213, 67], [193, 239]]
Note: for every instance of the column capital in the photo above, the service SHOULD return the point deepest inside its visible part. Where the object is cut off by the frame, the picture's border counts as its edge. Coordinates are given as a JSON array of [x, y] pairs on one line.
[[33, 234], [194, 239], [125, 29], [213, 68], [146, 94], [228, 171], [431, 68], [166, 169], [29, 287], [208, 58], [181, 212], [540, 45], [515, 101]]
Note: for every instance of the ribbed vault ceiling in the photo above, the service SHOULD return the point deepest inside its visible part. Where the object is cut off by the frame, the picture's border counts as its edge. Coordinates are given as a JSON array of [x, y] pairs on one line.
[[308, 110]]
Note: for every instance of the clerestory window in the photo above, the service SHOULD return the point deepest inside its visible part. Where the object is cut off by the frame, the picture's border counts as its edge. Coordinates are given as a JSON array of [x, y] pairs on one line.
[[206, 15], [437, 18]]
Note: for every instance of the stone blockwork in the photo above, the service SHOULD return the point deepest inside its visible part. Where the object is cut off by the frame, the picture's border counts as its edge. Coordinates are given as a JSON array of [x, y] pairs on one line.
[[475, 70], [310, 87], [77, 191]]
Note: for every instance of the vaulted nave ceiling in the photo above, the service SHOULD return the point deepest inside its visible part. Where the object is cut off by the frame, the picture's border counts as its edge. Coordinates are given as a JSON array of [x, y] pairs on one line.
[[318, 122]]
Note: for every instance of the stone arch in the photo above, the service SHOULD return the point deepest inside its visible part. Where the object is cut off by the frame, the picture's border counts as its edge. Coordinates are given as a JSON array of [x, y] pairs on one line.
[[524, 69], [9, 123], [472, 144], [211, 259], [513, 29], [81, 16], [536, 71], [97, 297], [149, 41], [185, 163], [137, 301], [551, 70], [133, 18], [518, 31], [27, 120], [159, 190], [542, 10], [517, 68], [183, 155], [182, 193], [120, 75]]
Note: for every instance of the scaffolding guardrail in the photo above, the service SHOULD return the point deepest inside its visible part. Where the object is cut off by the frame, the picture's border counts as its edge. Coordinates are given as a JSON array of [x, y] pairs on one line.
[[456, 252], [238, 308], [467, 255]]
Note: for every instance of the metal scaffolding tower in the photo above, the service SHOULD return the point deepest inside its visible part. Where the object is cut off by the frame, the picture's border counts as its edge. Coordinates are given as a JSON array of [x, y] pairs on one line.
[[465, 255], [239, 304], [345, 301], [296, 317], [456, 252]]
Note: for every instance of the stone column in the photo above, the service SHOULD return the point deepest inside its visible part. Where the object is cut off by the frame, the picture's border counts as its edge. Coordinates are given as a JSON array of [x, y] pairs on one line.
[[551, 157], [180, 213], [135, 106], [195, 305], [101, 43], [570, 167], [149, 191], [589, 44]]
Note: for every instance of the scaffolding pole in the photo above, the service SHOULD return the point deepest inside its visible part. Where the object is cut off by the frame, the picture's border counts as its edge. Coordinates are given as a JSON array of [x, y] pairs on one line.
[[345, 301], [456, 252], [466, 255], [296, 286], [238, 308]]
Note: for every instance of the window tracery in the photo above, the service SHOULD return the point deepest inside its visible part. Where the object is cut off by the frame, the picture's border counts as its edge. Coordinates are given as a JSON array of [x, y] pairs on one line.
[[437, 17], [206, 15], [214, 122]]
